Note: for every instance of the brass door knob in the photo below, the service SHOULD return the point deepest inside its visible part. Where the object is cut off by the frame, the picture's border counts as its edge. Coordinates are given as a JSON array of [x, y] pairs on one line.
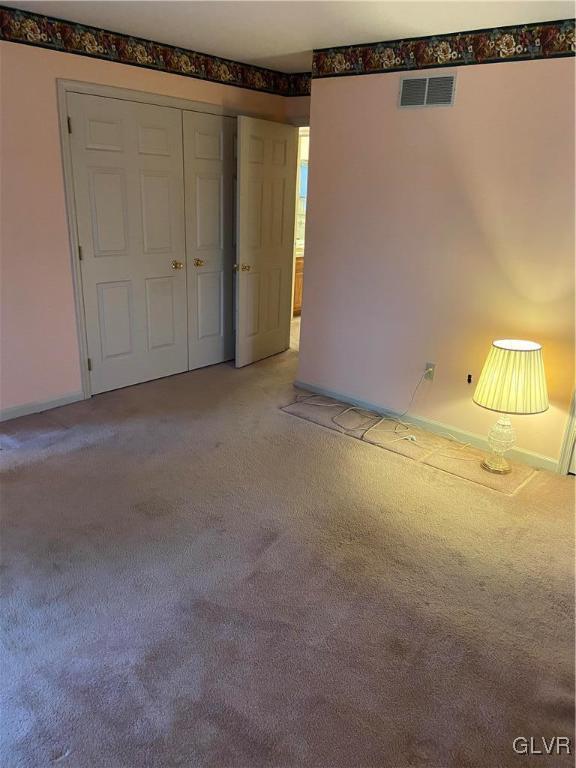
[[236, 267], [245, 267], [199, 262], [177, 264]]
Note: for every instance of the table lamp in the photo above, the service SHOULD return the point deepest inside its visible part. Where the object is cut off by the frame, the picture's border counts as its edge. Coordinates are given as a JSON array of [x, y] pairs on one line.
[[512, 381]]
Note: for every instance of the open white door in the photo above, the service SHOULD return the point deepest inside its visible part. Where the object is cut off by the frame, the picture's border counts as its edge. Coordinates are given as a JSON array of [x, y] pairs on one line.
[[267, 156]]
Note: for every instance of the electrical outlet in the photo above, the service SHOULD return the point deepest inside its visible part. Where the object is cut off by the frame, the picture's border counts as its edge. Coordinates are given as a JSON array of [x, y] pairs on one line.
[[430, 369]]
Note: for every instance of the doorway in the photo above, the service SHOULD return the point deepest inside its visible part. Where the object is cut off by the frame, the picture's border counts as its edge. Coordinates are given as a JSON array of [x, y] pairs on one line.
[[176, 269], [300, 232]]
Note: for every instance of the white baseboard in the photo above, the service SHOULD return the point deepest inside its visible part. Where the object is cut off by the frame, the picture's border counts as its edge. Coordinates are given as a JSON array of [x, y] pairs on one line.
[[516, 454], [28, 408]]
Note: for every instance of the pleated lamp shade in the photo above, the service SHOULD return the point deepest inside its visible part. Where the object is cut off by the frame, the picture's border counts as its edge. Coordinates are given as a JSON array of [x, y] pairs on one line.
[[513, 378]]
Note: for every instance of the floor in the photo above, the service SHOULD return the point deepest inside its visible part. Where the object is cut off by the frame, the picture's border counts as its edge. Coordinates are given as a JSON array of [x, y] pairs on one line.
[[192, 577]]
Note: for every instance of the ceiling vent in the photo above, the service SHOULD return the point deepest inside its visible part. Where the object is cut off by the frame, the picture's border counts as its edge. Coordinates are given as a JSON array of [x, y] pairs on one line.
[[427, 91]]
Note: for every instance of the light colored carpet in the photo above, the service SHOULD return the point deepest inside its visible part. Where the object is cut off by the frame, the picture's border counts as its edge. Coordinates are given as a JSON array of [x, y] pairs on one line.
[[191, 577]]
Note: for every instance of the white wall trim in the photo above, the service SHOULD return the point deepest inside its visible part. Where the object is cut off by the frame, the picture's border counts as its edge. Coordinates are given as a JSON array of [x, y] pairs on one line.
[[25, 410], [516, 454], [569, 440], [66, 151]]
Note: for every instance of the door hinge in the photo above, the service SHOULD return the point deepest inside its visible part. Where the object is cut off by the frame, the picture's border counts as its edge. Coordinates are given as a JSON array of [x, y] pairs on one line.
[[89, 364], [80, 252], [69, 122]]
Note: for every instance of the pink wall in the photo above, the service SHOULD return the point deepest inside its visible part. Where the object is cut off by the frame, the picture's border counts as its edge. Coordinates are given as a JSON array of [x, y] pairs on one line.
[[297, 110], [431, 232], [38, 326]]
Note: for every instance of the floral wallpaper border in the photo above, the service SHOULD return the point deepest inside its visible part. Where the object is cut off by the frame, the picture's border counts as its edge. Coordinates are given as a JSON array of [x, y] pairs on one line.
[[544, 40], [18, 26], [549, 39]]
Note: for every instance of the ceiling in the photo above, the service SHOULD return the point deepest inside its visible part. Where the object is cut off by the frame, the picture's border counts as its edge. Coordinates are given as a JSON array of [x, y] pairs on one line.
[[281, 35]]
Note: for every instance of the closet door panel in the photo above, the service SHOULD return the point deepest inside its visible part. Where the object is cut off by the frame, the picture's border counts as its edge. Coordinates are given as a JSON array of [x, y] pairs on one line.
[[209, 195], [127, 165]]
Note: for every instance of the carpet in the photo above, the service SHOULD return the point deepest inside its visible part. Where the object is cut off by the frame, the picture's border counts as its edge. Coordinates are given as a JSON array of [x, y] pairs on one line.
[[190, 577]]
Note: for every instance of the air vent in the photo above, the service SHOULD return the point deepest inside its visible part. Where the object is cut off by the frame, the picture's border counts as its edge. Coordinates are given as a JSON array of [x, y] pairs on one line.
[[413, 93], [440, 90], [427, 91]]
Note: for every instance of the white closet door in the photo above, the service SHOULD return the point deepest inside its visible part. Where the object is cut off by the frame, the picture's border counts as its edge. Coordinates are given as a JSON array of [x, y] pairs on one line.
[[267, 156], [209, 192], [129, 193]]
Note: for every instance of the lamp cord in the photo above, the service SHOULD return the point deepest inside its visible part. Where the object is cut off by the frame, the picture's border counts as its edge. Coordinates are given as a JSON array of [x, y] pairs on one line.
[[397, 420], [355, 408]]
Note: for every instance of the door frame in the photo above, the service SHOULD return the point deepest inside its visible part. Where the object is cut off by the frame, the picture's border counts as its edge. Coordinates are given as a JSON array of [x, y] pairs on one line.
[[294, 255], [569, 441], [63, 88]]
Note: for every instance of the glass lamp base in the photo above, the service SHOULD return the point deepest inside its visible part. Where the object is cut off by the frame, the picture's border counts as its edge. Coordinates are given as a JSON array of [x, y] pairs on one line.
[[500, 439], [497, 464]]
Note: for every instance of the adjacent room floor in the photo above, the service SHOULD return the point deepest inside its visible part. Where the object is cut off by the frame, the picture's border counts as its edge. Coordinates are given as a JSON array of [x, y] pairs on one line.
[[192, 577]]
